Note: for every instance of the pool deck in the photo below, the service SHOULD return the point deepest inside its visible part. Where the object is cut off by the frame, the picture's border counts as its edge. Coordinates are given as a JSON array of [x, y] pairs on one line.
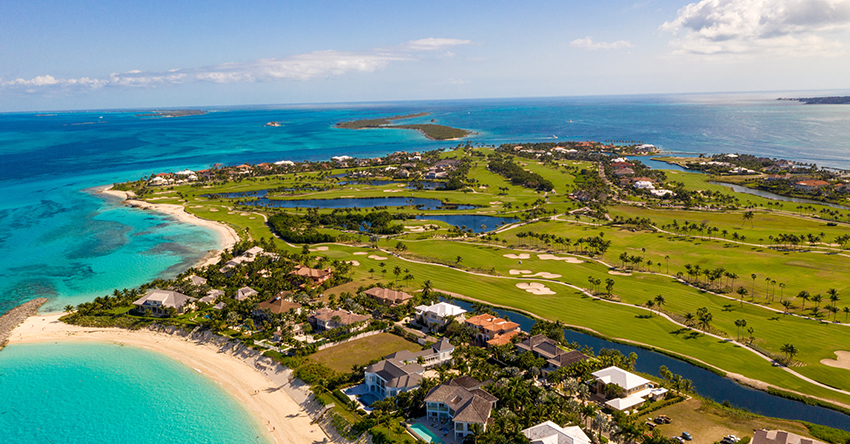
[[436, 429]]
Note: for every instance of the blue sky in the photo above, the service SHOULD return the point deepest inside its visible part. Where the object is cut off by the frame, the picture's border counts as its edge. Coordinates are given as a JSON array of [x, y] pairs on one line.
[[87, 54]]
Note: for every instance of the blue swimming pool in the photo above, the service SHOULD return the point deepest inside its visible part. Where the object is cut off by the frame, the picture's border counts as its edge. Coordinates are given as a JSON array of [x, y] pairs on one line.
[[368, 398], [423, 432]]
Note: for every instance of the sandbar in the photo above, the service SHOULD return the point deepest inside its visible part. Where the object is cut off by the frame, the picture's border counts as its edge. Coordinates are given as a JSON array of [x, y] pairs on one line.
[[227, 236], [264, 395]]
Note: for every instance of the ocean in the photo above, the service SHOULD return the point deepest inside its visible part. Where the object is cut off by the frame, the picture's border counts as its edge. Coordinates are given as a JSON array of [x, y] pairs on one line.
[[61, 240], [116, 394]]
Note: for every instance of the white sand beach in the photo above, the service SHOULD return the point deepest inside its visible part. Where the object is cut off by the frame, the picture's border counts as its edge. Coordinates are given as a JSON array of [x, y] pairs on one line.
[[283, 417], [227, 235]]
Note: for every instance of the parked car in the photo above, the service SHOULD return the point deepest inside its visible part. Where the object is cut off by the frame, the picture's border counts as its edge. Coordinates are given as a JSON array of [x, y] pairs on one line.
[[651, 425], [665, 418], [730, 439], [678, 438], [687, 436]]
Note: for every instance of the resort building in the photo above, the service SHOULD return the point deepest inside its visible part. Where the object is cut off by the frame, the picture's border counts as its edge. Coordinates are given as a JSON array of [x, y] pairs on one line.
[[463, 402], [809, 186], [316, 277], [555, 357], [550, 433], [438, 315], [763, 436], [492, 330], [636, 389], [197, 280], [245, 293], [388, 297], [327, 319], [158, 302], [276, 305]]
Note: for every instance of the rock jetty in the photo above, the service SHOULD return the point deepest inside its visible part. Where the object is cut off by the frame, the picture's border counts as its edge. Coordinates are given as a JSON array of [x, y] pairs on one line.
[[16, 316]]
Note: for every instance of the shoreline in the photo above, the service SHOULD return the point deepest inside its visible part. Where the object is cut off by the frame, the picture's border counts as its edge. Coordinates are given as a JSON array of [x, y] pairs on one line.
[[227, 236], [266, 392]]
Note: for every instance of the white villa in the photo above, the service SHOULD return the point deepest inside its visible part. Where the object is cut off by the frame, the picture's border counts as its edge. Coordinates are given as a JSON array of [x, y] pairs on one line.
[[550, 433], [157, 302], [635, 388], [402, 371], [245, 293], [437, 315]]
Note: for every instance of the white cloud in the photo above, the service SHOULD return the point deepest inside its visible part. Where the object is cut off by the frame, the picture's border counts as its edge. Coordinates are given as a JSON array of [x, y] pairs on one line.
[[433, 44], [313, 65], [588, 43], [776, 27]]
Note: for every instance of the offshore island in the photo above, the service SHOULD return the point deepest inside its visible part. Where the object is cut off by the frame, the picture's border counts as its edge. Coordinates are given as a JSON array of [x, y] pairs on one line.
[[426, 294], [430, 130]]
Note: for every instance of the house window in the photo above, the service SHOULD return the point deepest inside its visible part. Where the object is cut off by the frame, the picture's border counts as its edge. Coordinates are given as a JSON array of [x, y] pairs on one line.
[[459, 426]]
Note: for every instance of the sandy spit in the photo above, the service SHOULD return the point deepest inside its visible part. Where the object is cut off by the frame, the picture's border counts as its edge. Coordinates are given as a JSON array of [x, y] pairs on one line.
[[227, 235]]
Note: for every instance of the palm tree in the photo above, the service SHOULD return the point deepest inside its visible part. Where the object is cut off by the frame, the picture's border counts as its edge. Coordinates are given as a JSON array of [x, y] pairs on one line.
[[804, 295], [846, 313], [832, 309], [396, 272], [69, 308], [705, 318], [649, 304], [667, 260], [754, 283], [781, 291], [790, 351], [817, 299], [742, 292], [787, 305], [659, 301], [833, 295], [458, 260], [689, 319], [427, 286], [747, 216]]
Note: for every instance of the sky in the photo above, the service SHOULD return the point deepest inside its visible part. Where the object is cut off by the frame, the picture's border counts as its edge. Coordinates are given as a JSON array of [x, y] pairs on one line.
[[78, 54]]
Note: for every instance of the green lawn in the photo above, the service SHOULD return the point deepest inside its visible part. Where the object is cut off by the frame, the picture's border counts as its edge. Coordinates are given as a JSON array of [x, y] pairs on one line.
[[343, 357]]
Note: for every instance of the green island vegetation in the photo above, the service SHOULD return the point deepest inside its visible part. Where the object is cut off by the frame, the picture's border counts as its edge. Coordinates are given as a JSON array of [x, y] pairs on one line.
[[429, 130], [747, 287], [173, 113]]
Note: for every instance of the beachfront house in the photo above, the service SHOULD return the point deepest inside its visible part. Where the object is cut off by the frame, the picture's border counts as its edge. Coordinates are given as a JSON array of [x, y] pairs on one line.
[[245, 293], [810, 186], [492, 330], [633, 389], [388, 297], [276, 305], [160, 303], [550, 433], [555, 356], [437, 315], [327, 319], [393, 376], [463, 403]]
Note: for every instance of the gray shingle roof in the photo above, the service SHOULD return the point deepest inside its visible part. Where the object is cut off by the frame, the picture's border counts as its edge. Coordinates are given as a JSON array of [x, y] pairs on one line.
[[470, 405]]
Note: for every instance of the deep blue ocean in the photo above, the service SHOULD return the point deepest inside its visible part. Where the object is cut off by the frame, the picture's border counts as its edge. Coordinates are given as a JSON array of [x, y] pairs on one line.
[[60, 239]]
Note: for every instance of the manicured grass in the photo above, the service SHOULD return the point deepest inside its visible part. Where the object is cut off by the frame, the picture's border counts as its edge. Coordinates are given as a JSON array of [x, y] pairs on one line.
[[343, 357], [709, 423]]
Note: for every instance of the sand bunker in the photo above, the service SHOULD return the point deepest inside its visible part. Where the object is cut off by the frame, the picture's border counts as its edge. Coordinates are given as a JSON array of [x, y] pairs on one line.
[[414, 229], [401, 185], [535, 288], [319, 249], [197, 206], [392, 191], [552, 257], [231, 212], [244, 214], [842, 360], [619, 273], [252, 217], [515, 272], [518, 256], [360, 253], [354, 263], [496, 202], [376, 257], [213, 209], [545, 275]]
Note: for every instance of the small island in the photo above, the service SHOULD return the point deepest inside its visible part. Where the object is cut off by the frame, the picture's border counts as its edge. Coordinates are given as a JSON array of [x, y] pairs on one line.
[[174, 113], [835, 100], [273, 124], [430, 130]]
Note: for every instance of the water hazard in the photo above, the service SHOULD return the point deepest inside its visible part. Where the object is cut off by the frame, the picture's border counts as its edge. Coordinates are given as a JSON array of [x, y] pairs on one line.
[[707, 384]]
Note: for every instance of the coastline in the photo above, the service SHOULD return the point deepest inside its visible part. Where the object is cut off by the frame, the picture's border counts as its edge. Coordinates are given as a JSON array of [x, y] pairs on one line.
[[266, 392], [227, 236]]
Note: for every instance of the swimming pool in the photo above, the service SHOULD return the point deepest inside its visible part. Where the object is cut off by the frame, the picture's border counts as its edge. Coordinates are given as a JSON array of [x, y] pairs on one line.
[[423, 432]]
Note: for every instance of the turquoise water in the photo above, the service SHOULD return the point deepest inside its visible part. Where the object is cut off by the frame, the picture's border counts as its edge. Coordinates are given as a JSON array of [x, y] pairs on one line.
[[425, 434], [60, 242], [104, 393]]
